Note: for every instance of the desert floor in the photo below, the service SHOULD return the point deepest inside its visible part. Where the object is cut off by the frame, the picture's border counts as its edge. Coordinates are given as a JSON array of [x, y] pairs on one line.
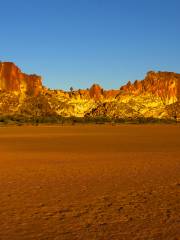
[[90, 182]]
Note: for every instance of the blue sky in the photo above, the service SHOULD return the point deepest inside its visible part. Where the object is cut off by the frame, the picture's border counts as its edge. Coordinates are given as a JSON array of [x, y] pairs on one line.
[[80, 42]]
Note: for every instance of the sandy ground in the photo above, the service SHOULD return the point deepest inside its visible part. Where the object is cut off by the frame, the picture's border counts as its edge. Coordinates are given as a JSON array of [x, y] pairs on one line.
[[90, 182]]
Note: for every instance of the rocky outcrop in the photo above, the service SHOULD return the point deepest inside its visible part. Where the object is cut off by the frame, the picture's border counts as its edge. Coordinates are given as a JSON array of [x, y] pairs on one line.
[[165, 85], [13, 80], [157, 96], [110, 94], [96, 92]]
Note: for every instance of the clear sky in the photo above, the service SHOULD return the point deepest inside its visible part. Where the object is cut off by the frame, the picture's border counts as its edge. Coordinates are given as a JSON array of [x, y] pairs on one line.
[[80, 42]]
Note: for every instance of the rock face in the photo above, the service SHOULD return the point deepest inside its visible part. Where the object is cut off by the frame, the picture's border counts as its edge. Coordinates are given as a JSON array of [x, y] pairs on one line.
[[96, 92], [12, 79], [157, 96], [165, 85]]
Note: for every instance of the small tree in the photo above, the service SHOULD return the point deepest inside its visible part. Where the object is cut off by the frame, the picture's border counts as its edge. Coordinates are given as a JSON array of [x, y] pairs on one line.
[[71, 89]]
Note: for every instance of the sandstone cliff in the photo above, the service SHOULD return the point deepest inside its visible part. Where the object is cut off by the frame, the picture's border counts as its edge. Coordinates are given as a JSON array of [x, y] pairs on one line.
[[157, 96], [165, 85], [12, 79]]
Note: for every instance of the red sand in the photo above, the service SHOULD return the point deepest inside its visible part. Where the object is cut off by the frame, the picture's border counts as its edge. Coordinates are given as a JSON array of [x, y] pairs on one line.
[[90, 182]]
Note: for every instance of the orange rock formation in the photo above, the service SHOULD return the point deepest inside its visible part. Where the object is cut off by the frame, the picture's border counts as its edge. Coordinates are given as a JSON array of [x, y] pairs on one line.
[[12, 79], [96, 91], [166, 85]]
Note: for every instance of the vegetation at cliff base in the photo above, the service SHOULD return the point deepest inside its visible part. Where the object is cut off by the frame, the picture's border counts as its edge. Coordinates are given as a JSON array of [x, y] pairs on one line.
[[23, 120]]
